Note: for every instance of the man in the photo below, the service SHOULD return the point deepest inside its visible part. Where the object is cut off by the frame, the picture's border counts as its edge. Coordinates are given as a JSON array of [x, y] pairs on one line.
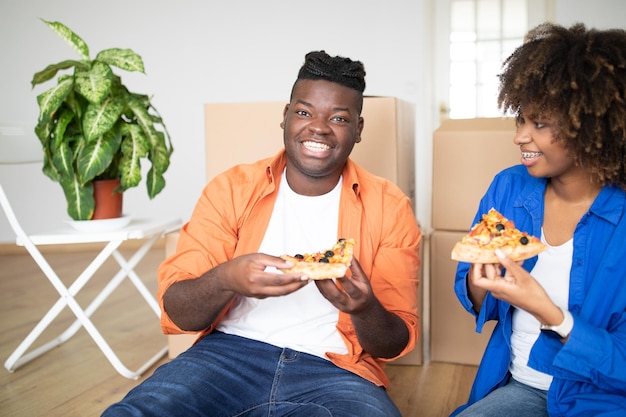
[[274, 343]]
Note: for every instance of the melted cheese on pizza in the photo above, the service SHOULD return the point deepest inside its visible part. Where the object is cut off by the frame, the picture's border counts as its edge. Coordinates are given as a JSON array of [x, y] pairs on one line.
[[495, 231], [341, 252]]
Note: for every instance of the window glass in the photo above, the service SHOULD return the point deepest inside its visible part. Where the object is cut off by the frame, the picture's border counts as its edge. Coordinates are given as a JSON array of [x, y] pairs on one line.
[[463, 99], [462, 16], [514, 18], [488, 19], [482, 34]]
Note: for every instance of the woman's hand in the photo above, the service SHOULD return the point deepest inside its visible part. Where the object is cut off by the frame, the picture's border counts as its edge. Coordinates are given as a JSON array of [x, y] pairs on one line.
[[509, 282]]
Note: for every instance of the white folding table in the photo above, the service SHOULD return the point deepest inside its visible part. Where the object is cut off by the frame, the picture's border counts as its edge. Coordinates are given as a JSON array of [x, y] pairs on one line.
[[149, 230]]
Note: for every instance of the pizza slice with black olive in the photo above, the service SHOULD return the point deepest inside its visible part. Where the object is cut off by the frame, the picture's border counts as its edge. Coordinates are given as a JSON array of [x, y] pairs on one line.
[[494, 231], [327, 264]]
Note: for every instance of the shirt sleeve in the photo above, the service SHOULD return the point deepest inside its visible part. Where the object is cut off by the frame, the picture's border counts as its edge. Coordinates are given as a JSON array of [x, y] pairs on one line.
[[208, 239], [395, 271]]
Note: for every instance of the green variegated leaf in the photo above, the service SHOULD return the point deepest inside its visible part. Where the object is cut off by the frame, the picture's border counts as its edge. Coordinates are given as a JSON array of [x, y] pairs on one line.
[[125, 59], [49, 101], [65, 117], [95, 83], [155, 183], [48, 167], [43, 132], [143, 99], [134, 147], [62, 158], [157, 119], [101, 117], [51, 70], [141, 113], [159, 155], [77, 104], [70, 38], [144, 119], [97, 155], [80, 201]]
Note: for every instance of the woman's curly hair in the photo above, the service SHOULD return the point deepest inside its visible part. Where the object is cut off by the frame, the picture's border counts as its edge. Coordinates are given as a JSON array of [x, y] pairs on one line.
[[579, 77]]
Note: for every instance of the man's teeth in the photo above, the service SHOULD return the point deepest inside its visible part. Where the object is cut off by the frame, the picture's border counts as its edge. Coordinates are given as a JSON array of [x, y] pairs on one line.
[[315, 146], [530, 155]]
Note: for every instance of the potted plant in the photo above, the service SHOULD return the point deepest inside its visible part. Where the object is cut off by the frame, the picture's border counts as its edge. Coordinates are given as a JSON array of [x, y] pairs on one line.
[[93, 128]]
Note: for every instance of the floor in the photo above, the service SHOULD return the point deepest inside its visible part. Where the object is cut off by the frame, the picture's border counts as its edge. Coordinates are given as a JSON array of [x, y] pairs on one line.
[[75, 379]]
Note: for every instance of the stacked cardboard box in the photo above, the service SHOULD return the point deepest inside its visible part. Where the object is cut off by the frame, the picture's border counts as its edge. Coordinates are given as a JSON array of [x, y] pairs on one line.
[[466, 156]]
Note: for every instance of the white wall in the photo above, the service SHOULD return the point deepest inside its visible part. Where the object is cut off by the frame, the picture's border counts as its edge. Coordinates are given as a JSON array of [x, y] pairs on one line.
[[601, 14], [199, 51]]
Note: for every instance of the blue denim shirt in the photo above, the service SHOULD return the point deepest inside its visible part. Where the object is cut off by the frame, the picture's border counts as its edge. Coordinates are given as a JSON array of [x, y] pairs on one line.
[[590, 369]]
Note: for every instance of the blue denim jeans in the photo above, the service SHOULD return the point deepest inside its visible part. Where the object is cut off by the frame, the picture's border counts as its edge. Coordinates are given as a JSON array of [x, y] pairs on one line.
[[225, 375], [513, 399]]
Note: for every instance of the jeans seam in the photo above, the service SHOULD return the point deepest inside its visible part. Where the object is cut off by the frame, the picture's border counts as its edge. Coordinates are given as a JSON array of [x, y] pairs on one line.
[[277, 375]]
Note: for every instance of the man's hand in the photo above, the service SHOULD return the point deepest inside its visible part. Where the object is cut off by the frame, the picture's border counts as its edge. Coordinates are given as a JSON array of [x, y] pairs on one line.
[[246, 275], [381, 333], [194, 304], [350, 295]]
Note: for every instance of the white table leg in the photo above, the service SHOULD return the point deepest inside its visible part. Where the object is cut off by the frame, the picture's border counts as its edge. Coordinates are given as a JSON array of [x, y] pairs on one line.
[[18, 357]]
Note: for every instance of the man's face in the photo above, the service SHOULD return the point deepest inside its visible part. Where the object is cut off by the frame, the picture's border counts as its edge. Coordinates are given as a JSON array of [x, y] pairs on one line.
[[321, 125]]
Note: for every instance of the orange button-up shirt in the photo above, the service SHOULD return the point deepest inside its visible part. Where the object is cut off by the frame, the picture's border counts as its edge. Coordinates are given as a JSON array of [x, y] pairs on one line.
[[232, 214]]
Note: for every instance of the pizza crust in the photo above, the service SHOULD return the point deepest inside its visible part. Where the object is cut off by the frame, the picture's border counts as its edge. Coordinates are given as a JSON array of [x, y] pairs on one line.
[[474, 254]]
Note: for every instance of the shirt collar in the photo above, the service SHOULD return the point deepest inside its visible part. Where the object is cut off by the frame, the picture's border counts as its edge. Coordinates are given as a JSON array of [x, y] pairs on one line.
[[277, 164], [609, 205]]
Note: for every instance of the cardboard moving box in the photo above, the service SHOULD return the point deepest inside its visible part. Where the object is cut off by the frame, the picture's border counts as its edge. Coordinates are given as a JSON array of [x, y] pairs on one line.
[[452, 329], [467, 154]]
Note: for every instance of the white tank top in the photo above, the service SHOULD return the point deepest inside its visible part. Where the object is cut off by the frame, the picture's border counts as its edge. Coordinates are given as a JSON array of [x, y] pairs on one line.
[[552, 271], [303, 320]]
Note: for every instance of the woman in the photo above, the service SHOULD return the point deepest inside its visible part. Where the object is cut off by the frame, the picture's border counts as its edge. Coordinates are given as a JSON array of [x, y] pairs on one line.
[[559, 347]]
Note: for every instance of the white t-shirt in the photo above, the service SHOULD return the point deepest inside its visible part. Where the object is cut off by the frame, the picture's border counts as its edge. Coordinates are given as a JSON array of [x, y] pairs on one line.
[[552, 271], [303, 320]]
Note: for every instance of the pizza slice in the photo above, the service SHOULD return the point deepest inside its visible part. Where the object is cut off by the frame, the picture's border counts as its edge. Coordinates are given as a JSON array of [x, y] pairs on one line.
[[327, 264], [494, 231]]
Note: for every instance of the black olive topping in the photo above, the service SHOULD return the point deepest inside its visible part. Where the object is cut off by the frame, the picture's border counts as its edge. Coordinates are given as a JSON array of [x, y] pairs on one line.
[[298, 256], [324, 260], [329, 254], [523, 240], [500, 227]]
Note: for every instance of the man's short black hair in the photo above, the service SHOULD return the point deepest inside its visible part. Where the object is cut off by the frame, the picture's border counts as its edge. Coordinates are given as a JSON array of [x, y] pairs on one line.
[[318, 65]]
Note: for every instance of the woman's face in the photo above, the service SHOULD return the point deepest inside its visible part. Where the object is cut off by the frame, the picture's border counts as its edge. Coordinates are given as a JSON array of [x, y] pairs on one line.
[[541, 152]]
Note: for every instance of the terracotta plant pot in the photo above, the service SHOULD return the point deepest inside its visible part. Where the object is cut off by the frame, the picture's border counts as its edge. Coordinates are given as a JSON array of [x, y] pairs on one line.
[[108, 202]]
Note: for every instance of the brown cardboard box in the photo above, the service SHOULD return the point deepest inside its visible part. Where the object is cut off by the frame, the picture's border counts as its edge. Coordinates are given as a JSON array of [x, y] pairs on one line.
[[245, 132], [387, 146], [467, 153], [452, 329]]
